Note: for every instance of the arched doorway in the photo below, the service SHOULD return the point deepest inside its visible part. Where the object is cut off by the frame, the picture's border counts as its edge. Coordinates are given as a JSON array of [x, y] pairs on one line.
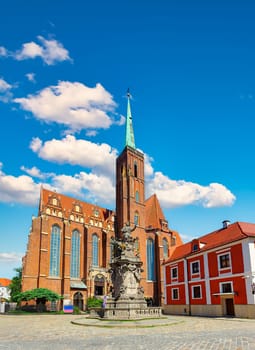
[[78, 300], [99, 285]]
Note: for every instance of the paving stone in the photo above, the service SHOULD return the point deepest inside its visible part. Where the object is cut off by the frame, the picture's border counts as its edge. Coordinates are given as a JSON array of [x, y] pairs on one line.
[[182, 333]]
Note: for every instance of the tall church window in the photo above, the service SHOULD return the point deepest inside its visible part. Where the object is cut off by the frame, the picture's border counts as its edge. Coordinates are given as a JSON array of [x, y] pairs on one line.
[[75, 255], [95, 250], [150, 259], [136, 218], [135, 169], [137, 196], [165, 248], [55, 251]]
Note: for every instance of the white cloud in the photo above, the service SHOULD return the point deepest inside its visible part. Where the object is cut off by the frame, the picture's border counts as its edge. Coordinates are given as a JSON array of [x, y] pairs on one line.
[[174, 193], [10, 257], [148, 169], [100, 157], [4, 86], [3, 51], [21, 189], [5, 93], [88, 186], [51, 51], [35, 172], [31, 77], [90, 133], [74, 105]]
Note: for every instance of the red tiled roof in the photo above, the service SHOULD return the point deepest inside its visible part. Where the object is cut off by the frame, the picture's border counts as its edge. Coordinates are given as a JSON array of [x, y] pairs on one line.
[[232, 233], [153, 212], [5, 282], [67, 205]]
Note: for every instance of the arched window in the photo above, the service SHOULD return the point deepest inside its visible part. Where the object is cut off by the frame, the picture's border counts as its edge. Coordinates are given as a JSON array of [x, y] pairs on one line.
[[137, 196], [136, 218], [165, 248], [135, 169], [150, 259], [75, 255], [55, 251], [95, 250]]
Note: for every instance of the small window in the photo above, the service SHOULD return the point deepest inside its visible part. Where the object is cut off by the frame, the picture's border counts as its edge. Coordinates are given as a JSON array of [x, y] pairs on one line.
[[226, 287], [224, 261], [54, 201], [136, 219], [175, 293], [196, 292], [195, 267], [137, 196], [135, 170], [174, 272]]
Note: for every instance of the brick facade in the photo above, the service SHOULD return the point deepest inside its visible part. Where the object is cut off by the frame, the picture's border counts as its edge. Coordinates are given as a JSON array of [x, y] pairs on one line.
[[68, 216]]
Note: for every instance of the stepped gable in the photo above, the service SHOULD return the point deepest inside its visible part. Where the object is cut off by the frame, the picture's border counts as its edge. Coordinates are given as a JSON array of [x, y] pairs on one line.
[[233, 232], [68, 205]]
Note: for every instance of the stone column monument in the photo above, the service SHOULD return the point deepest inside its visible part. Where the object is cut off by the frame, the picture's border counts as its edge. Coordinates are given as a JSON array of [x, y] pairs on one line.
[[127, 299]]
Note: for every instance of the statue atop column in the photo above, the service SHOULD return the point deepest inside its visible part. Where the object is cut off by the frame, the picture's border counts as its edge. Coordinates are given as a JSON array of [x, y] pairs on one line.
[[126, 266]]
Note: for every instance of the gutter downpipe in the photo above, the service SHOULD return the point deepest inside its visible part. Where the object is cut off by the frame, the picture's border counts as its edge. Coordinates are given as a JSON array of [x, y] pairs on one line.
[[187, 289]]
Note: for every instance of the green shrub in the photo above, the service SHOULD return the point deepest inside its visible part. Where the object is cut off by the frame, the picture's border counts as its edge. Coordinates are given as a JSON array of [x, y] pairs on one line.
[[94, 302], [76, 310]]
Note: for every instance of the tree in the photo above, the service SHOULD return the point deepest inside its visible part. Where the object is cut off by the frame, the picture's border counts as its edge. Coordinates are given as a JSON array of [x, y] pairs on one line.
[[15, 285], [40, 295]]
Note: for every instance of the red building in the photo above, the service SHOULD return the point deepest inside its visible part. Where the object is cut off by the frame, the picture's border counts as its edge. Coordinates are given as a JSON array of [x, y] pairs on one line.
[[214, 274], [69, 247]]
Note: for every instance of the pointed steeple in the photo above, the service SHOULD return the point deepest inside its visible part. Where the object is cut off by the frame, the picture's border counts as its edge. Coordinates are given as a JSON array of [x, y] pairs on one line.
[[130, 138]]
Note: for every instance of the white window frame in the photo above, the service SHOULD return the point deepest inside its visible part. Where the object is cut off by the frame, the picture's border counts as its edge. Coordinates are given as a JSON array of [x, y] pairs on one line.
[[191, 267], [172, 269], [230, 262], [177, 294], [226, 282], [198, 285]]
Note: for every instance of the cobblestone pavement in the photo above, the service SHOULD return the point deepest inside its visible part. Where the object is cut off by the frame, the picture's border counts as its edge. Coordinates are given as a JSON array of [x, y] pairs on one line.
[[182, 333]]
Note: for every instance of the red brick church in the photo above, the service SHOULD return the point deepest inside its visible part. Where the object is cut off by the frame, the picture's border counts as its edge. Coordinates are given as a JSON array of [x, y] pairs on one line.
[[69, 246]]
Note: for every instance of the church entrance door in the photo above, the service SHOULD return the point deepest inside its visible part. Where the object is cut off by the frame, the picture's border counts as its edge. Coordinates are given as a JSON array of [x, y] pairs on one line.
[[78, 300], [99, 284]]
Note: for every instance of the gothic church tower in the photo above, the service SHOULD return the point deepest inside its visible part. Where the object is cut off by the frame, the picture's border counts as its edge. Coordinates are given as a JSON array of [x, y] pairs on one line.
[[130, 205]]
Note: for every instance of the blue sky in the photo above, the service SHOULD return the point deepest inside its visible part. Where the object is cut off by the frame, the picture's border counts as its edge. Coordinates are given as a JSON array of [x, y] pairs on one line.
[[64, 71]]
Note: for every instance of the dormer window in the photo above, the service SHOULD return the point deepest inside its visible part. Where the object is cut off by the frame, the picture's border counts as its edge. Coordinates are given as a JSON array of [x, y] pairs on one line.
[[96, 213], [195, 247]]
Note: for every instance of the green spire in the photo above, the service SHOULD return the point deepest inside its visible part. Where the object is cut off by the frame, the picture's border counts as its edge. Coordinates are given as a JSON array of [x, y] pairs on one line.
[[130, 138]]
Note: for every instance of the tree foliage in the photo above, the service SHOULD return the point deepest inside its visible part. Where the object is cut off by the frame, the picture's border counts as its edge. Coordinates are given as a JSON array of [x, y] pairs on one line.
[[39, 294], [15, 285]]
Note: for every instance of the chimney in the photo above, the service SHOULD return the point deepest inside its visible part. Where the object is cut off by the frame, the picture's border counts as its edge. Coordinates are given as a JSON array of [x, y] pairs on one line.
[[225, 223]]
